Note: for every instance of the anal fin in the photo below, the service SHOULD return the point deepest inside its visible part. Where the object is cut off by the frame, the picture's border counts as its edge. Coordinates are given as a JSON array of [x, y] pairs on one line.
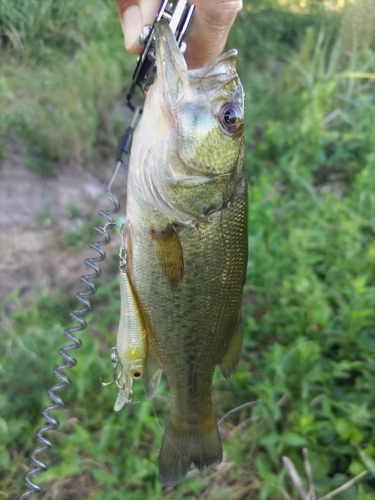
[[151, 376], [233, 352]]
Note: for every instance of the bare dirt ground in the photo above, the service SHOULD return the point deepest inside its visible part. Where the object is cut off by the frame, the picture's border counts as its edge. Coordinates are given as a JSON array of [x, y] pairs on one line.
[[33, 215]]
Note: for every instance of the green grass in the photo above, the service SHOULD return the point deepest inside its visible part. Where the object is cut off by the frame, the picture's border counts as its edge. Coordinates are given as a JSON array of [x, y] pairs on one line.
[[64, 67], [308, 364]]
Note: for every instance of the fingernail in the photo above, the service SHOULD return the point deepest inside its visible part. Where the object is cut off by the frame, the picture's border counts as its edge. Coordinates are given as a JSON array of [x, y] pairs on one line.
[[132, 26]]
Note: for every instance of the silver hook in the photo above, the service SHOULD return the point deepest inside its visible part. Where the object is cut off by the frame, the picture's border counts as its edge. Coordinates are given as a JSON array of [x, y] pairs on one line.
[[123, 254], [115, 362]]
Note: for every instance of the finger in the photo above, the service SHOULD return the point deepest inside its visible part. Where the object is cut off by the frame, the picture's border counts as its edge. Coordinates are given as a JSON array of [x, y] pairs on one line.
[[209, 30], [207, 34], [134, 14]]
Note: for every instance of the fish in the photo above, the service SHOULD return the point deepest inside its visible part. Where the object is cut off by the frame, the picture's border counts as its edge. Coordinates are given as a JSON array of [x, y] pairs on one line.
[[186, 217]]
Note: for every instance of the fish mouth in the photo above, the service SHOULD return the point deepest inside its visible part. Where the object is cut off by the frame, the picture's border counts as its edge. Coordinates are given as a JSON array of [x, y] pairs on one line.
[[172, 72], [176, 82]]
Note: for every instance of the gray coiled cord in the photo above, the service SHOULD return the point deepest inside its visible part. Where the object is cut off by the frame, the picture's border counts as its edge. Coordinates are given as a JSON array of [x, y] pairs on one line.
[[52, 423]]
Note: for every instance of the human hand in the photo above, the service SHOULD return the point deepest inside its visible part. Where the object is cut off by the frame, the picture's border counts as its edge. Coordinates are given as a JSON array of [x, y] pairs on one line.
[[207, 34]]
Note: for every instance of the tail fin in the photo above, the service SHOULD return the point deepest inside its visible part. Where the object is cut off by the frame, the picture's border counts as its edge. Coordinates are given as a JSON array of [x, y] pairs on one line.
[[185, 444]]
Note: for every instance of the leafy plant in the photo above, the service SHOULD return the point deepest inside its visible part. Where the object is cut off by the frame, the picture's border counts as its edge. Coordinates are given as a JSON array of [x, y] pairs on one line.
[[72, 57], [80, 233]]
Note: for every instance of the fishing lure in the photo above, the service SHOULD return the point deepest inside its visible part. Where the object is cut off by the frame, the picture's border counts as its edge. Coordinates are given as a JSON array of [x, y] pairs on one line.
[[131, 345]]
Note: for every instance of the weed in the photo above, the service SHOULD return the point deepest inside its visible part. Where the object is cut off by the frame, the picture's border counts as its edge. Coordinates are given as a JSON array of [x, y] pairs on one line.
[[73, 60], [81, 232]]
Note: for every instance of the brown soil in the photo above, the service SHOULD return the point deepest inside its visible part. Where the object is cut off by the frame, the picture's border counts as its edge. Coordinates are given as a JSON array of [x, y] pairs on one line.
[[34, 214]]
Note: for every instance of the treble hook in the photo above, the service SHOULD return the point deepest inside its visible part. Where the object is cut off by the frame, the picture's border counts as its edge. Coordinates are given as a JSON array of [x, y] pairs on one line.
[[122, 253], [115, 363]]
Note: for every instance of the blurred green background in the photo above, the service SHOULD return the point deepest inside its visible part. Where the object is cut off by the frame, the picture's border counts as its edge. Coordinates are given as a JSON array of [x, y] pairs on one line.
[[308, 363]]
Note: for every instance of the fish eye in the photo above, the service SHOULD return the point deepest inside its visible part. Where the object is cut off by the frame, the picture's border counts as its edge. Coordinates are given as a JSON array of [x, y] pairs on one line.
[[231, 117]]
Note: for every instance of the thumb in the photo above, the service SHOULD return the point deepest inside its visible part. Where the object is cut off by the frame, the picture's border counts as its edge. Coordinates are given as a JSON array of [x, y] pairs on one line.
[[134, 14], [209, 30]]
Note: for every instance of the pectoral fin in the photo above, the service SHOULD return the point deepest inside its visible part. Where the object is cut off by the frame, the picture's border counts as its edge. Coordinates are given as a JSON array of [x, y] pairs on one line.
[[151, 376], [169, 254], [233, 352]]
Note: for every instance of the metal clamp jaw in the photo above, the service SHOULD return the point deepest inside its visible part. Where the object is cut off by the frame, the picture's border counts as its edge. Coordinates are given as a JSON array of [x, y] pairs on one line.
[[179, 21]]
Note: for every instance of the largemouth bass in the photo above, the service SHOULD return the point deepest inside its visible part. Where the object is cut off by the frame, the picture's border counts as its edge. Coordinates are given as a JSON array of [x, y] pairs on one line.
[[187, 242]]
